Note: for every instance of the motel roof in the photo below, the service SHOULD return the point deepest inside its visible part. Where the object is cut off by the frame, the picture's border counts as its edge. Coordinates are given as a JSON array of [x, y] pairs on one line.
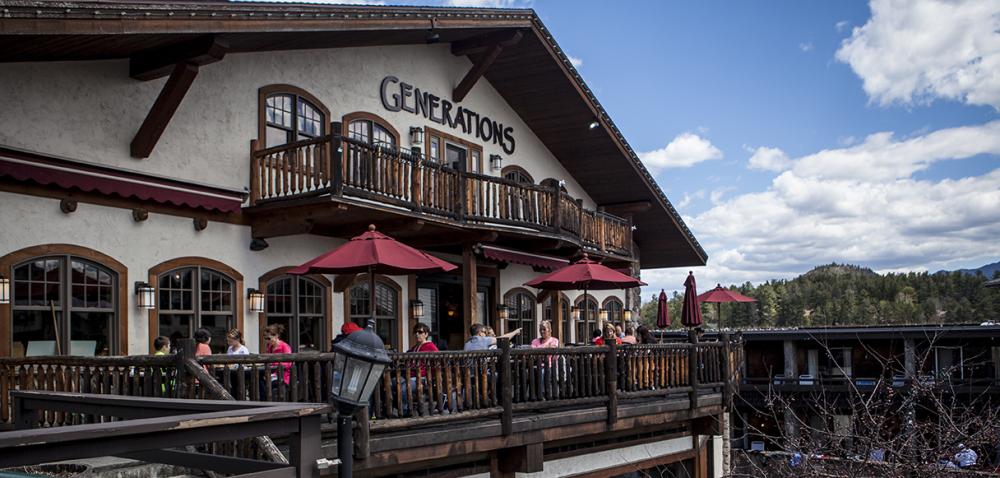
[[533, 75]]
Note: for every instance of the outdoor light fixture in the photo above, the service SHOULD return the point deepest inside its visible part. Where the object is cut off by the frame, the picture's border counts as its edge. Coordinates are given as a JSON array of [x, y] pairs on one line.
[[4, 290], [504, 311], [417, 309], [593, 124], [496, 162], [602, 315], [145, 295], [258, 245], [357, 367], [256, 300], [574, 312], [627, 315], [416, 135]]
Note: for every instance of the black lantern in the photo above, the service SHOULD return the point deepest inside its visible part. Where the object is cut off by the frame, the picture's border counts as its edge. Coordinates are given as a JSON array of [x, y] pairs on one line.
[[416, 135], [256, 298], [357, 368], [145, 295], [417, 309], [503, 311], [4, 290]]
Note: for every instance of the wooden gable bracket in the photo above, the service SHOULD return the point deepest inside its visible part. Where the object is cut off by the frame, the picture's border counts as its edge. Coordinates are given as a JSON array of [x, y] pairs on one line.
[[181, 62], [490, 46]]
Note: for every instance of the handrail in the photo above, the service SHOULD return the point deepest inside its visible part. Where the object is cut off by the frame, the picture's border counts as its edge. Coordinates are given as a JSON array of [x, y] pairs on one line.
[[344, 166]]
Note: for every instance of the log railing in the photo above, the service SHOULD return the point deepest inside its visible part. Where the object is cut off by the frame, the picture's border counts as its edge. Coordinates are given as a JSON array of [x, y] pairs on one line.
[[342, 166]]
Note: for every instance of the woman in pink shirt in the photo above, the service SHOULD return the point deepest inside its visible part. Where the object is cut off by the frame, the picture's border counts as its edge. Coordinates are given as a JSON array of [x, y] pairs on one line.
[[545, 338], [274, 345]]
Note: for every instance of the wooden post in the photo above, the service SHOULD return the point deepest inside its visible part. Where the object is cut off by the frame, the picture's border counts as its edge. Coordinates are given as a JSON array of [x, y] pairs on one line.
[[304, 446], [185, 352], [459, 195], [556, 208], [506, 388], [254, 173], [727, 375], [602, 226], [25, 418], [693, 365], [557, 314], [579, 213], [337, 169], [611, 378], [469, 286], [362, 429]]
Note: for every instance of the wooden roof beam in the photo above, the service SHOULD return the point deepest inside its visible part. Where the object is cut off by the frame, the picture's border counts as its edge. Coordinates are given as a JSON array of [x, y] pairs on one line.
[[627, 209], [163, 109], [480, 66], [485, 43], [159, 62]]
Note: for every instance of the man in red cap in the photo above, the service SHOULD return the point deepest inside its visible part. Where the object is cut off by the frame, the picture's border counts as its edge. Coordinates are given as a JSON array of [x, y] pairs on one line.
[[347, 329]]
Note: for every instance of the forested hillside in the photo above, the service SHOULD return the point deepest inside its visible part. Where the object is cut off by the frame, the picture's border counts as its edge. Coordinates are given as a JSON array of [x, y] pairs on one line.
[[849, 295]]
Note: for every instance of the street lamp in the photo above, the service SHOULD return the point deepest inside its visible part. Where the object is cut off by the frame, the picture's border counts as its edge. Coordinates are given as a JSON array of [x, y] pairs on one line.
[[357, 367]]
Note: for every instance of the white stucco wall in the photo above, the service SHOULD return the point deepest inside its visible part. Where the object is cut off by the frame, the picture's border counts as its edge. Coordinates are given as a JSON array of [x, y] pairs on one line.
[[91, 110]]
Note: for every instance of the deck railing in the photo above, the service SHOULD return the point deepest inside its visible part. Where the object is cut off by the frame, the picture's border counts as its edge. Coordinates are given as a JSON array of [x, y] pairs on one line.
[[341, 166]]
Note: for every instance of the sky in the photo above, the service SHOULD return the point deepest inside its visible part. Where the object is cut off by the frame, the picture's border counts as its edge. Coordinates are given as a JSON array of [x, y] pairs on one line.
[[791, 134]]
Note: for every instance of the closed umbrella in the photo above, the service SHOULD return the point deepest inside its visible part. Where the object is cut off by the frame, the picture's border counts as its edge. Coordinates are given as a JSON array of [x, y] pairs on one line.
[[691, 311], [662, 311], [720, 295], [374, 253], [587, 275]]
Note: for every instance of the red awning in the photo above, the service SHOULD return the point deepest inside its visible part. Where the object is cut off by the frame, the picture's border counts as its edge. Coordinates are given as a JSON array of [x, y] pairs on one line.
[[86, 177], [500, 254]]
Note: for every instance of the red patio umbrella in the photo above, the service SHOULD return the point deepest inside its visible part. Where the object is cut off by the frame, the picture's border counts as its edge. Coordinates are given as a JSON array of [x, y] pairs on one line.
[[691, 311], [587, 275], [662, 311], [720, 295], [374, 253]]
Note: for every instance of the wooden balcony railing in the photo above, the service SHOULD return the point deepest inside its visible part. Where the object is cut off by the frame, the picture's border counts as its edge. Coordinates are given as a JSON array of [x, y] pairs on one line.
[[344, 167]]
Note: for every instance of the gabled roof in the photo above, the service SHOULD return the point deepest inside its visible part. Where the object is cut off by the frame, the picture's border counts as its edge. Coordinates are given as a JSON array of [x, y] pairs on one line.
[[534, 76]]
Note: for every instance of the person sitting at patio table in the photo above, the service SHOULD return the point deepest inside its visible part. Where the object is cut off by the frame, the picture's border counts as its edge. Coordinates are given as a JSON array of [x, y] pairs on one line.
[[609, 331], [629, 337], [423, 343], [274, 345], [545, 338], [479, 341]]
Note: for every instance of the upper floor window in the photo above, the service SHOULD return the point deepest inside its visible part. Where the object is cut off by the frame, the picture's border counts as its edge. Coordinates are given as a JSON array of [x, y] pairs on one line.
[[517, 174], [371, 130], [290, 114], [453, 151], [64, 305]]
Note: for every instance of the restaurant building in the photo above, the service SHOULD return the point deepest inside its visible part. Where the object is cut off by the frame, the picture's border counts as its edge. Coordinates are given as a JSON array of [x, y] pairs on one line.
[[162, 166]]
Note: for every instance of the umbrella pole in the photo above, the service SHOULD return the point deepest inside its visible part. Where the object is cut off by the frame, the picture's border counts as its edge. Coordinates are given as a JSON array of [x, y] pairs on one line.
[[719, 312]]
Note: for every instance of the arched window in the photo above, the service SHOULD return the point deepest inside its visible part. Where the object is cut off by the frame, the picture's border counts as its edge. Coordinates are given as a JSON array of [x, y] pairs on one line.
[[549, 313], [371, 130], [386, 308], [289, 114], [615, 309], [521, 313], [299, 304], [196, 297], [517, 174], [588, 318], [65, 304]]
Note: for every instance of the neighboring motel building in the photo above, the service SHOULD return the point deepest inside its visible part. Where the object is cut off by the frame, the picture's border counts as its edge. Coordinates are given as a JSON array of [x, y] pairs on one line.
[[201, 149]]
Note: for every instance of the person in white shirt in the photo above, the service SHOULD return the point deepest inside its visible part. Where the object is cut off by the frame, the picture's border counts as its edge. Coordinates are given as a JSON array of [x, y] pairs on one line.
[[966, 457], [235, 340]]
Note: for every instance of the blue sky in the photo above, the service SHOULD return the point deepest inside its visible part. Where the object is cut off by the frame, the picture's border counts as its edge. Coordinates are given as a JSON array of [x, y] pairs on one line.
[[791, 134]]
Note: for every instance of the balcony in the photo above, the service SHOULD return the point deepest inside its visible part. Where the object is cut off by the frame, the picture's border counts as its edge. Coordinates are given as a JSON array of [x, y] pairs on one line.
[[342, 170]]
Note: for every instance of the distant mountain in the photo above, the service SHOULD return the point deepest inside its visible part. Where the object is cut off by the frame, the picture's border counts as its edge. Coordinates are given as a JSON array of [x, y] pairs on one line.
[[988, 270]]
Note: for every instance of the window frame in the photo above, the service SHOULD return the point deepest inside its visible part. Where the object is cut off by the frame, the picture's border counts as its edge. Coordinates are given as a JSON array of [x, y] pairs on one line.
[[621, 311], [362, 280], [515, 169], [270, 90], [345, 127], [156, 271], [527, 333], [471, 149], [120, 290], [550, 314], [590, 318], [326, 317]]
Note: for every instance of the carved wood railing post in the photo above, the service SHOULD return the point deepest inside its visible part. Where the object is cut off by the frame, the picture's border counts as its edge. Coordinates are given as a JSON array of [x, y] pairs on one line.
[[185, 382], [362, 431], [337, 168], [579, 210], [556, 208], [460, 206], [611, 379], [254, 173], [693, 368], [506, 388]]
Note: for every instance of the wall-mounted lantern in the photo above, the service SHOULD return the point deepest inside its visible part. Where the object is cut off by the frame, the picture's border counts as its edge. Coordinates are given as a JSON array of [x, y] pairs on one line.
[[574, 312], [416, 135], [417, 309], [602, 315], [4, 290], [145, 295], [496, 162], [504, 311], [627, 315], [256, 298]]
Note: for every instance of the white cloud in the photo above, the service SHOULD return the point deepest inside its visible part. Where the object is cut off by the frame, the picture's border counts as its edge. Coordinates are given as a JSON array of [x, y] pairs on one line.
[[842, 25], [806, 46], [768, 159], [576, 62], [688, 198], [913, 51], [686, 150], [818, 211]]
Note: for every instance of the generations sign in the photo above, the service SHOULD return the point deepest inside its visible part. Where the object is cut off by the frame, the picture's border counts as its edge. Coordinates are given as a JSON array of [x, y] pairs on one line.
[[397, 95]]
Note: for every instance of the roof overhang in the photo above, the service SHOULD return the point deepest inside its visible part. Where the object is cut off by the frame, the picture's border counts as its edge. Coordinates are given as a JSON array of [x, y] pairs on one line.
[[534, 76]]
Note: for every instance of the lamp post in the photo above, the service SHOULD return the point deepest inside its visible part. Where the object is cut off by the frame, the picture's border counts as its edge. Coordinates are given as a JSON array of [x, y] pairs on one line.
[[357, 367]]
